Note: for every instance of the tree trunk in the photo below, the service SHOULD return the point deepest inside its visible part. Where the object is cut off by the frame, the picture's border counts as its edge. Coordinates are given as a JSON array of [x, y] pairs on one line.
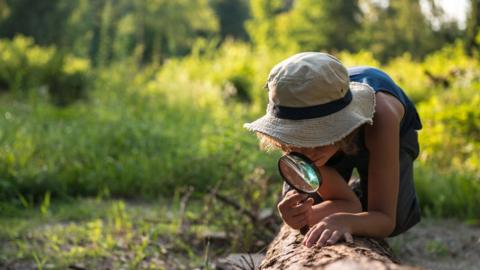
[[473, 26], [287, 252]]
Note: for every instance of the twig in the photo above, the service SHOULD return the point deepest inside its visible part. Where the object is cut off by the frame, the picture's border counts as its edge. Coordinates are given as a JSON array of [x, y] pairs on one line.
[[238, 207], [183, 206], [76, 267]]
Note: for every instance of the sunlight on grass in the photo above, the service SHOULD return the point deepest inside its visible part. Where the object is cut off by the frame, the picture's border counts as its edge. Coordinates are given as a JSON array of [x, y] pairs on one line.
[[97, 234]]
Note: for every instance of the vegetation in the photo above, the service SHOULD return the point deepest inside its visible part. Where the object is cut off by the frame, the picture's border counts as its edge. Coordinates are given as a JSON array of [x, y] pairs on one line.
[[121, 121]]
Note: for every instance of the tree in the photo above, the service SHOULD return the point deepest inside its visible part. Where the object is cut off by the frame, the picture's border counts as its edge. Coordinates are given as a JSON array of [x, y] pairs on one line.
[[396, 28], [4, 9], [473, 26], [305, 24], [321, 25], [261, 26], [42, 20], [169, 28], [232, 15], [108, 29]]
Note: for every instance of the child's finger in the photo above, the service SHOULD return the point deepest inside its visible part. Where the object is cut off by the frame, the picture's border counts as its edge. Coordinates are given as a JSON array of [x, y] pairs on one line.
[[348, 238], [301, 208], [313, 234], [299, 220], [336, 235], [289, 201], [308, 201], [294, 199], [293, 193], [324, 237], [301, 213]]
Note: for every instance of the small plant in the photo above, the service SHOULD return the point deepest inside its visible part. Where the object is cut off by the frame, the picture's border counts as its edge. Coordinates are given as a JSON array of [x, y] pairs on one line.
[[40, 261], [437, 248], [45, 205]]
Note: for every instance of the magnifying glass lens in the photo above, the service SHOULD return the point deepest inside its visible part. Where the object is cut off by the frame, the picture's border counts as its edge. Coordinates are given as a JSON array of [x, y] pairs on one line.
[[299, 172]]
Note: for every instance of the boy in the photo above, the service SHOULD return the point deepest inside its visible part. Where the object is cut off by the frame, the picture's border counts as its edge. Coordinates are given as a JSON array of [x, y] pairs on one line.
[[343, 119]]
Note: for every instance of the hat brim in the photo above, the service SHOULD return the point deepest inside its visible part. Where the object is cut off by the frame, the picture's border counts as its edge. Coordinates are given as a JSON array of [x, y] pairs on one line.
[[324, 130]]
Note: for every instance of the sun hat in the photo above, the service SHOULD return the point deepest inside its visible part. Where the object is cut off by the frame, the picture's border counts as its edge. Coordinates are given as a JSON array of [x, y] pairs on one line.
[[312, 102]]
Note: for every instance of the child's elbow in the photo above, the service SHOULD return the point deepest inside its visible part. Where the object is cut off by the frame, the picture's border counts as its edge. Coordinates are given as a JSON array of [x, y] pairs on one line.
[[390, 226], [355, 206]]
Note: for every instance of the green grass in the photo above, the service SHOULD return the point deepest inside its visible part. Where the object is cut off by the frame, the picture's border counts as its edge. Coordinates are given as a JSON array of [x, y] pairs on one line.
[[448, 195], [99, 234]]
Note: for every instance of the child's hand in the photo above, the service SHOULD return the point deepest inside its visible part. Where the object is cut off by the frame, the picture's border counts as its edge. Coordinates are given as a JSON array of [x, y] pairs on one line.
[[295, 210], [327, 232]]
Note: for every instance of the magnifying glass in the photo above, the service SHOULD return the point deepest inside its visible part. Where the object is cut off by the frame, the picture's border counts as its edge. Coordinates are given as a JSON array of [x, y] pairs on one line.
[[301, 174]]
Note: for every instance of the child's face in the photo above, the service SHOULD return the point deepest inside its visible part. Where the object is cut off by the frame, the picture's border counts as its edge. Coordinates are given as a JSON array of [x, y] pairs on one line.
[[319, 155]]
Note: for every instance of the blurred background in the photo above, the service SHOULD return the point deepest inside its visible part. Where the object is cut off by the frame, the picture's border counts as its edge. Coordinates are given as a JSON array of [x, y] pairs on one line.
[[121, 139]]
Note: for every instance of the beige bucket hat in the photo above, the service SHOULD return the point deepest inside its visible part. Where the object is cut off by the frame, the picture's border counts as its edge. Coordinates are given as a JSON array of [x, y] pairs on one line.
[[312, 102]]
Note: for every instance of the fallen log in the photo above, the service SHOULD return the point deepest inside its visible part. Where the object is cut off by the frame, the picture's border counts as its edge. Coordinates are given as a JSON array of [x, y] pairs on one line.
[[287, 252]]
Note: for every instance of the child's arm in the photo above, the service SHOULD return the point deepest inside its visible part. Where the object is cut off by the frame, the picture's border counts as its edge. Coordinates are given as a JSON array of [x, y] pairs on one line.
[[337, 196], [382, 141]]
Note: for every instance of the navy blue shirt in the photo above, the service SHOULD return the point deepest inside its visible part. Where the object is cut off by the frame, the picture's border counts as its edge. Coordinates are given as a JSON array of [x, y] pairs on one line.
[[380, 81]]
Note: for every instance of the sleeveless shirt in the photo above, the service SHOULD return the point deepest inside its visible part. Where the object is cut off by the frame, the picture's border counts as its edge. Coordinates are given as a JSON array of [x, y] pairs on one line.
[[380, 81]]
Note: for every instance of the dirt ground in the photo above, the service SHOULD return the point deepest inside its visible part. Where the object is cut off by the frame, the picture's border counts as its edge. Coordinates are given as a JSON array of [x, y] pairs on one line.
[[439, 245]]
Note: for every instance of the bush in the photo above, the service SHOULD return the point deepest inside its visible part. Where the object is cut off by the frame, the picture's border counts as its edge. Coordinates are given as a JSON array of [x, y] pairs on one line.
[[145, 132], [27, 67], [141, 135]]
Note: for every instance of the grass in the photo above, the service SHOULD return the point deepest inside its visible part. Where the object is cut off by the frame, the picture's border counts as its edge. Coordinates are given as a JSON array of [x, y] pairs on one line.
[[448, 194], [101, 234], [128, 139]]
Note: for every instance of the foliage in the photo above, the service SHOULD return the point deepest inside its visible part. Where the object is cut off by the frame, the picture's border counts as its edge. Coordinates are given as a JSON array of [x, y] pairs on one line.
[[232, 15], [137, 135], [99, 234], [254, 222], [113, 29], [449, 162], [237, 70], [155, 30], [142, 127], [309, 25], [319, 25], [26, 66], [36, 19], [473, 27], [407, 27]]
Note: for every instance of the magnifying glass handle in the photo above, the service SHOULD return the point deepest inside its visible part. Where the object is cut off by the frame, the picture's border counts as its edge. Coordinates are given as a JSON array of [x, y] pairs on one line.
[[304, 229]]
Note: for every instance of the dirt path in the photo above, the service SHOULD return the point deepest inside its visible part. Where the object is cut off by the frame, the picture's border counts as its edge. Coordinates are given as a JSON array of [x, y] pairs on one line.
[[440, 244]]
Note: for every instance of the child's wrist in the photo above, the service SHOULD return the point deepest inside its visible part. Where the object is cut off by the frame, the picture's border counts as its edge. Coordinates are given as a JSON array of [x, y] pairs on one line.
[[315, 215]]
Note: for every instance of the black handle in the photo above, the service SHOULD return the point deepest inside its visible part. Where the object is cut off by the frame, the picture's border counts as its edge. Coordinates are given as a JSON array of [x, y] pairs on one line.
[[304, 229]]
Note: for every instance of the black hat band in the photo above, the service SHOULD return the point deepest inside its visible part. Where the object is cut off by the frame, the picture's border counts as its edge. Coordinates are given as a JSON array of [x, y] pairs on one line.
[[301, 113]]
